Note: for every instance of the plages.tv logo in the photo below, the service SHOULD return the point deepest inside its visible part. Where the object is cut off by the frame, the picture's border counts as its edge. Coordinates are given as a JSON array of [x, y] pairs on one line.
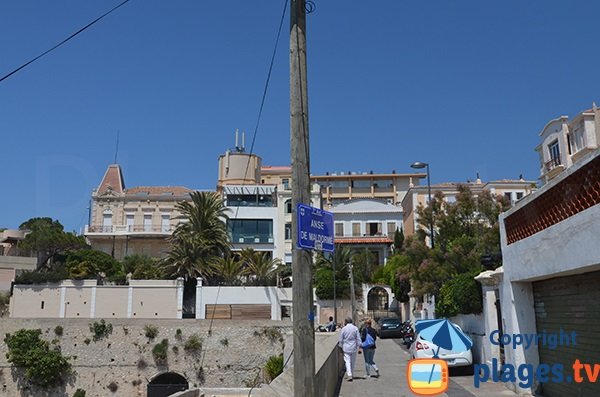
[[525, 374], [429, 376]]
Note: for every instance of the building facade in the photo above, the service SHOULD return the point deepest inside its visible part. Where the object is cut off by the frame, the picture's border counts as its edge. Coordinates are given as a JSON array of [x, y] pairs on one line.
[[137, 220], [565, 142]]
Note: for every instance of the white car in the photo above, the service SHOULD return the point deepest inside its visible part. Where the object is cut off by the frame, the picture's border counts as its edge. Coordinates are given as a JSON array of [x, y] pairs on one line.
[[422, 348]]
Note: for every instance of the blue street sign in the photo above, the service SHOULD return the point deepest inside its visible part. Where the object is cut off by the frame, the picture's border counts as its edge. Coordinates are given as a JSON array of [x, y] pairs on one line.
[[315, 228]]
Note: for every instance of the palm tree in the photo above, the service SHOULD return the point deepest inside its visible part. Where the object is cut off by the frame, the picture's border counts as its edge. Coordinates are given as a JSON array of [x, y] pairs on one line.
[[260, 266], [229, 270], [187, 259], [199, 238], [325, 266]]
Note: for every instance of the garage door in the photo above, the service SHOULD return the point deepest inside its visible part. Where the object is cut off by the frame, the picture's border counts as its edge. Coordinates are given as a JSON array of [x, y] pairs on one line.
[[570, 303], [239, 312]]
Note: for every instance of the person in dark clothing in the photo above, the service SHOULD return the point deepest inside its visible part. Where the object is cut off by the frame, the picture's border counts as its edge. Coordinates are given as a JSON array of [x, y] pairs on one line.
[[369, 350]]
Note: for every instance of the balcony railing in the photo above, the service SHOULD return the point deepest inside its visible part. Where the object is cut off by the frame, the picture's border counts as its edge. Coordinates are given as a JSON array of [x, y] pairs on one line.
[[553, 163], [123, 229]]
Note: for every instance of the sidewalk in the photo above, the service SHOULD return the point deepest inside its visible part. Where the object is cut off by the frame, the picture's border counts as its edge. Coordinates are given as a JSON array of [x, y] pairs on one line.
[[392, 360]]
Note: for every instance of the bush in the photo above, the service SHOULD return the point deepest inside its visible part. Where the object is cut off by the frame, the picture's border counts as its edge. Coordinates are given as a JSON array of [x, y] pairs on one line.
[[100, 329], [79, 393], [274, 366], [42, 277], [58, 330], [151, 331], [160, 350], [113, 387], [193, 344], [460, 295], [4, 303], [43, 367]]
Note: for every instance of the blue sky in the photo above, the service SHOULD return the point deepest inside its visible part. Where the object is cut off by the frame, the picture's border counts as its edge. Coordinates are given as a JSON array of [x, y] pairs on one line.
[[464, 85]]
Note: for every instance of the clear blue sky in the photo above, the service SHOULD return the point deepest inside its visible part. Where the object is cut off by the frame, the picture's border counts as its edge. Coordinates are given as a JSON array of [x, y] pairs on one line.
[[464, 85]]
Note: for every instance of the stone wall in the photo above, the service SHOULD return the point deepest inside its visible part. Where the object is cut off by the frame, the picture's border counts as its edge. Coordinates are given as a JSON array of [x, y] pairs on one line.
[[233, 354]]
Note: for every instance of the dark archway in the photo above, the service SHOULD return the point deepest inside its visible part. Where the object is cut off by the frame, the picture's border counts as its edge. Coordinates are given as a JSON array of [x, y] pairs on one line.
[[165, 384], [189, 297], [377, 299]]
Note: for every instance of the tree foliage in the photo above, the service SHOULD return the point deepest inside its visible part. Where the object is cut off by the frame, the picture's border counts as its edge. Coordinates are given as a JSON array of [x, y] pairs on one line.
[[465, 231], [261, 269], [200, 238], [88, 263], [43, 366], [461, 294], [142, 267], [47, 239]]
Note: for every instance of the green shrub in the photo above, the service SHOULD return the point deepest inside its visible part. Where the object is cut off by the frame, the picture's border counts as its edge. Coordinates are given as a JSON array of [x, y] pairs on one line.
[[151, 331], [79, 393], [4, 303], [58, 330], [193, 344], [224, 342], [43, 366], [178, 335], [460, 295], [101, 329], [160, 350], [274, 366]]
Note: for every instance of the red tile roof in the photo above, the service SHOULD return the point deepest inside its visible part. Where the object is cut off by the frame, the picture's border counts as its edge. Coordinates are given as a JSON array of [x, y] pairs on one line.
[[113, 180]]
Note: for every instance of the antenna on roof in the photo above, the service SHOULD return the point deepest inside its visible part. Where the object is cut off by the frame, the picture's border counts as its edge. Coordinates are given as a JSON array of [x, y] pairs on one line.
[[117, 148]]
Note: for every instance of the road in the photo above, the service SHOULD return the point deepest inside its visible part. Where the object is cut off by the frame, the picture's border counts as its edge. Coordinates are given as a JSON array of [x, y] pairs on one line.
[[392, 360]]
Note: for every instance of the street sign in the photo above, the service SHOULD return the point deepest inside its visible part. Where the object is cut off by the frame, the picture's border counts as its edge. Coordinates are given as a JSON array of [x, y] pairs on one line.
[[315, 228]]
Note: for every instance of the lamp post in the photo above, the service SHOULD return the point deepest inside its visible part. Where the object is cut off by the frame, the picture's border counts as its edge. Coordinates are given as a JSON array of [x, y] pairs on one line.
[[420, 165]]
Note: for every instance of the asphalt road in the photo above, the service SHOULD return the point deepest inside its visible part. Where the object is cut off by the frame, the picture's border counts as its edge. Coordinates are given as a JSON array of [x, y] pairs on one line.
[[392, 360]]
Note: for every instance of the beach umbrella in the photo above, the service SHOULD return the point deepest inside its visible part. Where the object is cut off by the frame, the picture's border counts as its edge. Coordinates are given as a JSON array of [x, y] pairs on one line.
[[444, 334]]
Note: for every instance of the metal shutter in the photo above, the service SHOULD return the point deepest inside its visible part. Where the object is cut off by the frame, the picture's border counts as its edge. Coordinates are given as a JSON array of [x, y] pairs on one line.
[[573, 304]]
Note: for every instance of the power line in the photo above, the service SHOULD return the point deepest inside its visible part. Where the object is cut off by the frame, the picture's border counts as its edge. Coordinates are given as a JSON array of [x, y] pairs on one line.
[[64, 41]]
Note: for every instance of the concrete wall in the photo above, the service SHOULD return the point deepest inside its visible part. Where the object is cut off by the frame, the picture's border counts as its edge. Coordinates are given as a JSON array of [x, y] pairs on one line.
[[474, 326], [565, 248], [329, 369], [229, 357]]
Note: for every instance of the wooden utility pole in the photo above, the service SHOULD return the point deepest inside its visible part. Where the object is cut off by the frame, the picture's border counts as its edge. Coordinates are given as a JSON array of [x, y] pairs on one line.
[[304, 334]]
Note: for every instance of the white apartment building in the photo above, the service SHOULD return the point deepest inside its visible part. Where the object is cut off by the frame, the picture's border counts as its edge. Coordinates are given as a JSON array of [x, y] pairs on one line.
[[564, 142]]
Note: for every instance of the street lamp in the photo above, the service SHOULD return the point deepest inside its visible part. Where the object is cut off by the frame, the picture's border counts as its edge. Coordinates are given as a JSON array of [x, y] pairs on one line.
[[419, 165]]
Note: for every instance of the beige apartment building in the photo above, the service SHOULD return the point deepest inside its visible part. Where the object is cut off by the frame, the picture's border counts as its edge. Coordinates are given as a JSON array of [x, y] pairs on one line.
[[134, 220]]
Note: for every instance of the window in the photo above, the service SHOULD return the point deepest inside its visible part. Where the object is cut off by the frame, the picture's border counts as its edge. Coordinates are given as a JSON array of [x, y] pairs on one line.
[[519, 195], [361, 183], [374, 229], [129, 218], [249, 200], [451, 199], [577, 140], [286, 184], [165, 222], [508, 196], [147, 222], [554, 152], [107, 222], [391, 228], [288, 206], [288, 231], [251, 231], [339, 229], [339, 184], [355, 229]]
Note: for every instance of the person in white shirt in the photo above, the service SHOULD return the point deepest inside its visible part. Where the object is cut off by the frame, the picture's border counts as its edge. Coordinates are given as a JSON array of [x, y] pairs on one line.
[[350, 342]]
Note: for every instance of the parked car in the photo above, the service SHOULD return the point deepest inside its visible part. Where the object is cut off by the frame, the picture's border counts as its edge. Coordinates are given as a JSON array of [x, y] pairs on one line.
[[422, 348], [390, 327]]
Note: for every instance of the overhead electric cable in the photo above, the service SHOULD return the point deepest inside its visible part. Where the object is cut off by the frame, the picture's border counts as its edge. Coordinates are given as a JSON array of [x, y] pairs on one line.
[[262, 103], [63, 42]]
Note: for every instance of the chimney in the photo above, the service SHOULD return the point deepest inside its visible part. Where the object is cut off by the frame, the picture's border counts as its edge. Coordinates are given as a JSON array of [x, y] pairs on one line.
[[478, 181]]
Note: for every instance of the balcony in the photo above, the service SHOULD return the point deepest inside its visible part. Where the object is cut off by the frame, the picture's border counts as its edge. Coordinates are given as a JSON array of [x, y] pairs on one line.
[[553, 167], [129, 229]]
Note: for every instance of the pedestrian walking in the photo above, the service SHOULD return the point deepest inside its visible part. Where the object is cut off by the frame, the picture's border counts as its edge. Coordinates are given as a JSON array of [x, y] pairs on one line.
[[369, 337], [350, 343]]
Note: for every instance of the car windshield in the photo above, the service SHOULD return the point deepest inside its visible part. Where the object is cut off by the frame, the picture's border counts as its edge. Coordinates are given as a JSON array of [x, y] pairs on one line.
[[390, 321]]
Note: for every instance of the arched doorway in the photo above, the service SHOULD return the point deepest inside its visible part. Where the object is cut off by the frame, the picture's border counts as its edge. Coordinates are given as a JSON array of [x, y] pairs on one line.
[[378, 299], [165, 384]]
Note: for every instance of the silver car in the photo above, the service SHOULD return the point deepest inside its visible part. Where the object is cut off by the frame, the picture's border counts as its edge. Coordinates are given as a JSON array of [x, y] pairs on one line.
[[422, 348]]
